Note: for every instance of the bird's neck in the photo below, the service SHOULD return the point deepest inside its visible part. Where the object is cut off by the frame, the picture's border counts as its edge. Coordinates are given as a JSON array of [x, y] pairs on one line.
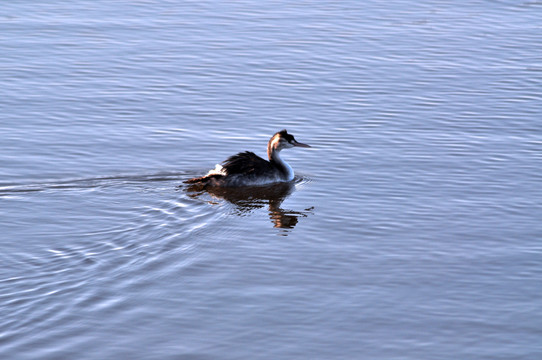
[[285, 169]]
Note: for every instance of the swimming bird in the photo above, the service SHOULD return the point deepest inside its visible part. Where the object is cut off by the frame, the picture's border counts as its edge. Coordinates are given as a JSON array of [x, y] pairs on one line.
[[248, 169]]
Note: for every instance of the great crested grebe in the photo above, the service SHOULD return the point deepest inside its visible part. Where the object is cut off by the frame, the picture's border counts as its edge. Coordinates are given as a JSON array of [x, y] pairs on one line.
[[248, 169]]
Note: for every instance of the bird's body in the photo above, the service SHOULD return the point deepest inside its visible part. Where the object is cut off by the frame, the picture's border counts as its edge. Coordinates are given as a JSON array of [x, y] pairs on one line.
[[248, 169]]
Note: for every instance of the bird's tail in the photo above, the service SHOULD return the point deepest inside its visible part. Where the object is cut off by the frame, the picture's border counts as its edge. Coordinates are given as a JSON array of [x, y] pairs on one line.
[[204, 181], [195, 180]]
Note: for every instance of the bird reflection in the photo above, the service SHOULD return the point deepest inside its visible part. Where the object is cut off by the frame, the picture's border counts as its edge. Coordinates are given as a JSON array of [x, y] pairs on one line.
[[247, 199]]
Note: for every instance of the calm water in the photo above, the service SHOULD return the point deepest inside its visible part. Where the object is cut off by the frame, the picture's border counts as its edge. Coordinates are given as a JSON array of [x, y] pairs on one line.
[[413, 229]]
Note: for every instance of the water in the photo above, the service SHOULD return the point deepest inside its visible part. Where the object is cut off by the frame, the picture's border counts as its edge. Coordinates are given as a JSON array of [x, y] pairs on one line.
[[412, 230]]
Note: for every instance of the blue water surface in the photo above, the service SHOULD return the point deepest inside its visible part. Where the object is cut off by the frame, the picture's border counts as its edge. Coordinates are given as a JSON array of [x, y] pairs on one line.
[[412, 230]]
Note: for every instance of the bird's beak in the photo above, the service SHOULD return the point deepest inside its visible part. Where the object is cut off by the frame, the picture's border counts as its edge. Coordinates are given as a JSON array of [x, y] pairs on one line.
[[301, 144]]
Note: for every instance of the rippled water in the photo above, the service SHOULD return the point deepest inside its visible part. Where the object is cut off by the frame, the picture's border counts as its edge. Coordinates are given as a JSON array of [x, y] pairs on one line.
[[412, 230]]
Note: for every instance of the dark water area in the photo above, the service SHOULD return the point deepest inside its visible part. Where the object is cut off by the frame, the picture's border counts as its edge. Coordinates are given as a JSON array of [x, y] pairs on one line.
[[411, 231]]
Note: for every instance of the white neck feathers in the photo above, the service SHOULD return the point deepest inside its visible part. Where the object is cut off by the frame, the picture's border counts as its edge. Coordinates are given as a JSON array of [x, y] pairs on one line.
[[289, 172]]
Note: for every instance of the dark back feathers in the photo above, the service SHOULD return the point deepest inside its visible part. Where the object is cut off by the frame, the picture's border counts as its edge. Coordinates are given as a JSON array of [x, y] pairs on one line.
[[246, 163]]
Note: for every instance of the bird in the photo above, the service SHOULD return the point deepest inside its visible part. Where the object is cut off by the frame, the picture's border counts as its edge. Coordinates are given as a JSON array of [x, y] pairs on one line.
[[248, 169]]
